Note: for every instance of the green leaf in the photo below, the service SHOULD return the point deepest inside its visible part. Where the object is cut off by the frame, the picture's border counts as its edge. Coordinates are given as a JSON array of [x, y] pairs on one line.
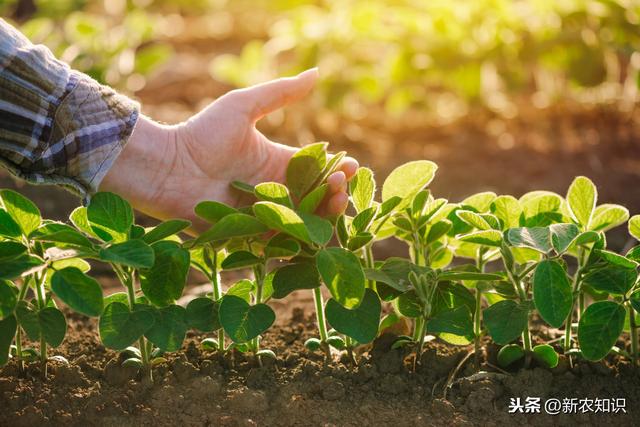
[[359, 240], [634, 226], [611, 279], [202, 314], [484, 237], [8, 226], [454, 275], [438, 229], [562, 236], [164, 282], [635, 300], [508, 209], [132, 253], [305, 167], [333, 163], [608, 216], [342, 274], [546, 355], [242, 289], [243, 186], [473, 219], [237, 225], [408, 304], [393, 272], [22, 210], [363, 220], [79, 219], [61, 233], [582, 197], [79, 291], [538, 238], [505, 321], [600, 326], [169, 328], [320, 230], [8, 298], [281, 246], [292, 277], [48, 323], [509, 354], [119, 327], [281, 218], [480, 201], [540, 208], [243, 322], [10, 250], [552, 292], [362, 189], [8, 328], [273, 192], [615, 259], [311, 202], [121, 297], [240, 259], [110, 216], [18, 266], [456, 321], [213, 211], [360, 323], [165, 229], [406, 180]]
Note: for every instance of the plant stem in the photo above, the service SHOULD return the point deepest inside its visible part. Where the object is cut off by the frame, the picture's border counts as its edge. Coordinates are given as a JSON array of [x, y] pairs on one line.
[[369, 262], [21, 295], [477, 318], [319, 303], [569, 321], [217, 294], [322, 326], [258, 272], [349, 344], [128, 280], [40, 294], [522, 294], [633, 332]]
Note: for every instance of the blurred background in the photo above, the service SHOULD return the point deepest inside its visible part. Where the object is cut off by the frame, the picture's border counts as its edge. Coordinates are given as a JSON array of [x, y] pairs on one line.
[[507, 96]]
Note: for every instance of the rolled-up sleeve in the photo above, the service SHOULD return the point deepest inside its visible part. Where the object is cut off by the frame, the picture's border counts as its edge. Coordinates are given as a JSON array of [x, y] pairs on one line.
[[57, 126]]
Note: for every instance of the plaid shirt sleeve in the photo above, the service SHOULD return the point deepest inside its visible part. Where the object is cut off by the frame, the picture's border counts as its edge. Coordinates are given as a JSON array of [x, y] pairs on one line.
[[57, 126]]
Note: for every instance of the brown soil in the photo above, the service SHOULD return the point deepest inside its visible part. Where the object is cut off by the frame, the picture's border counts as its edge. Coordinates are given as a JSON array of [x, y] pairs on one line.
[[196, 388]]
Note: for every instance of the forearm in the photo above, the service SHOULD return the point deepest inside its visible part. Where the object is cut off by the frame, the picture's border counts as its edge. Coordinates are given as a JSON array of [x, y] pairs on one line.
[[138, 172], [57, 126]]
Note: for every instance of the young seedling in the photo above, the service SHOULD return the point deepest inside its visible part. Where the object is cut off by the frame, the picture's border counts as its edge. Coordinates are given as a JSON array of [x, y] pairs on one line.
[[27, 254], [146, 261]]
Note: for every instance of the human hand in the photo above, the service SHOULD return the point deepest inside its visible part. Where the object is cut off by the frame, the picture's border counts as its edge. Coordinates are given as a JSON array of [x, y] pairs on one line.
[[164, 171]]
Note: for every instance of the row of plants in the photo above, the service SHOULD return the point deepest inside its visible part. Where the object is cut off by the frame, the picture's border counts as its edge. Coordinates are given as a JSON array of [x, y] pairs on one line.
[[485, 265]]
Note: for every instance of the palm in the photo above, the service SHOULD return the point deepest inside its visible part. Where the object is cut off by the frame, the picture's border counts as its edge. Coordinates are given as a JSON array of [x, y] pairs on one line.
[[199, 159]]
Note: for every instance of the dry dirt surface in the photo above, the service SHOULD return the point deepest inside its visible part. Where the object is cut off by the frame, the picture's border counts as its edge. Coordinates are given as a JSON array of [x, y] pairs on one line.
[[197, 388]]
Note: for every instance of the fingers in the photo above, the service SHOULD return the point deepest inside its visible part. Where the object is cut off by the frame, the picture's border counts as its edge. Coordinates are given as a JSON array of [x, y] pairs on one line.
[[270, 96], [349, 166], [337, 182], [337, 203]]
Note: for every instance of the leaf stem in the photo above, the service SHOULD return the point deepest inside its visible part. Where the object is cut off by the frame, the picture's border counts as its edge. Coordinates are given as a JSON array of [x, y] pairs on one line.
[[40, 294], [633, 332], [576, 286], [217, 292]]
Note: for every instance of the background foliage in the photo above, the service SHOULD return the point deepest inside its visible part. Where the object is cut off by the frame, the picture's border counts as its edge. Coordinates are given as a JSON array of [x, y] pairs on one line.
[[439, 55]]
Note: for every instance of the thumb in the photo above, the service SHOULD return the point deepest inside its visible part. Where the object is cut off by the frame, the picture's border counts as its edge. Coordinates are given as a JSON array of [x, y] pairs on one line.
[[270, 96]]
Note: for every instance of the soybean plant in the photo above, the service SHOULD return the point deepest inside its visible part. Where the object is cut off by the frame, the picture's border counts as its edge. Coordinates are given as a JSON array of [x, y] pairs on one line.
[[27, 254], [152, 267]]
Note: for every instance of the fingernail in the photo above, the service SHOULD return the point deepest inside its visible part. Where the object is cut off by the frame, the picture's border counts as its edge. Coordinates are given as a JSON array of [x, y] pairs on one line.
[[311, 71]]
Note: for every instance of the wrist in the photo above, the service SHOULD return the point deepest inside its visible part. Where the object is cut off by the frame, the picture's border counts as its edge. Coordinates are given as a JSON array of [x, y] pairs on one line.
[[140, 169]]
